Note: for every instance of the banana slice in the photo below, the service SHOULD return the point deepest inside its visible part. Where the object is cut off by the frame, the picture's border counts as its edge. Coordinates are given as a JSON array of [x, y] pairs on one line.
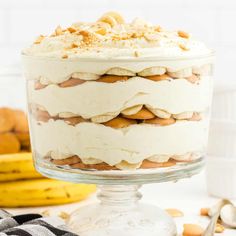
[[74, 120], [91, 161], [104, 118], [120, 71], [67, 115], [124, 165], [116, 16], [143, 114], [156, 70], [159, 158], [38, 85], [185, 157], [196, 155], [44, 81], [38, 107], [187, 72], [41, 115], [203, 70], [85, 76], [159, 112], [58, 155], [108, 19], [193, 79], [132, 110], [184, 115], [196, 116]]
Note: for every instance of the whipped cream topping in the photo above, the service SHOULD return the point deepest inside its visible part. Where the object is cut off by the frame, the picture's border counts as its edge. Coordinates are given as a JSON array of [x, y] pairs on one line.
[[43, 69], [92, 98], [132, 144], [111, 37]]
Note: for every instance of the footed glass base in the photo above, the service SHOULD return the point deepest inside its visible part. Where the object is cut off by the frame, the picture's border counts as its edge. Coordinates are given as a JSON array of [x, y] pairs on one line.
[[120, 214], [119, 177]]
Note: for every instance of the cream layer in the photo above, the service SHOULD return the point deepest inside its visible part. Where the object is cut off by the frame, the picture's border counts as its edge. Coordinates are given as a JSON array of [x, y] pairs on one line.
[[58, 70], [97, 98], [132, 144]]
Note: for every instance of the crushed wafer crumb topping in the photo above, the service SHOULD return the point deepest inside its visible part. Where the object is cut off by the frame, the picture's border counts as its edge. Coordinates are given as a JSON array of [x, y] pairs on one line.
[[112, 32]]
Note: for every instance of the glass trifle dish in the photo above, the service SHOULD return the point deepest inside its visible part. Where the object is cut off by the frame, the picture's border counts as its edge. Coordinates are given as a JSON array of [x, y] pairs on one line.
[[118, 104]]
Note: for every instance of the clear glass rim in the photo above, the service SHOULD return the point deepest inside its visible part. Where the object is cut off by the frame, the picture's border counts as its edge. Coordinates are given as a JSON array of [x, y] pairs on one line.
[[142, 176], [211, 54]]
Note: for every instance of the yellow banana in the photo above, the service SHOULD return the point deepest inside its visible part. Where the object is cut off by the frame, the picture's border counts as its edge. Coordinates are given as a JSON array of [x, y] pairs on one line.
[[41, 192], [17, 166]]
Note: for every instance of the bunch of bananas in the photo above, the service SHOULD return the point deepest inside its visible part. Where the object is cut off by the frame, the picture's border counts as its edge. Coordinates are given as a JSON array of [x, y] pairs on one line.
[[21, 185]]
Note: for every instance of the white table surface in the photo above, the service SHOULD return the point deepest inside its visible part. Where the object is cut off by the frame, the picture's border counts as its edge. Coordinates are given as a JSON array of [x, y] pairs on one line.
[[188, 195]]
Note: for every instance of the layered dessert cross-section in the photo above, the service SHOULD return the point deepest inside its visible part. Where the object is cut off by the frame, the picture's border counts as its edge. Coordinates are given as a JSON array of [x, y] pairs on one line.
[[112, 95]]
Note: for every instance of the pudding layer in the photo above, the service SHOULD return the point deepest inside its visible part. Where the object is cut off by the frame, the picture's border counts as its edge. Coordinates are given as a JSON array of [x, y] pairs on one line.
[[132, 144], [58, 70], [92, 99]]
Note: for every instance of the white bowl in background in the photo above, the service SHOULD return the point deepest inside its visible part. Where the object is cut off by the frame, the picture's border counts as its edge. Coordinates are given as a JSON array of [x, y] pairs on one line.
[[222, 139], [221, 177], [221, 160], [224, 101]]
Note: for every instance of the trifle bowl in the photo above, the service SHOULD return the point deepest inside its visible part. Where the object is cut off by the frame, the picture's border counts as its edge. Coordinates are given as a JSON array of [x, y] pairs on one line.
[[118, 104]]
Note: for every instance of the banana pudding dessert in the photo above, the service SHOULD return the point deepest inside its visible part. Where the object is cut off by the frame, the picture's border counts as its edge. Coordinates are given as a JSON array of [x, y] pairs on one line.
[[111, 95]]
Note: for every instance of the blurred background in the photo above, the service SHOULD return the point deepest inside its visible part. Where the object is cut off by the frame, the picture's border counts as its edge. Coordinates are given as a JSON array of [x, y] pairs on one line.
[[209, 20]]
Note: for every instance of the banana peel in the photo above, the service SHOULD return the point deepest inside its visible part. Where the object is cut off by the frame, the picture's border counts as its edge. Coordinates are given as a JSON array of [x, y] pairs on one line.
[[42, 192], [34, 190], [17, 166]]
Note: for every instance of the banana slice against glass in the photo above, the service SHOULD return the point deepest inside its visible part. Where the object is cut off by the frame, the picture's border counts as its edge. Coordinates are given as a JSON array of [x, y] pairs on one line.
[[156, 70], [159, 158], [202, 70], [132, 110], [105, 117], [159, 112], [184, 115], [85, 76], [124, 165], [185, 157], [120, 72], [180, 73]]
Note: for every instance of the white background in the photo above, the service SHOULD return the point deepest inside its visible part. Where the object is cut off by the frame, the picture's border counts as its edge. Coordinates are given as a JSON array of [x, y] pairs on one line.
[[212, 21]]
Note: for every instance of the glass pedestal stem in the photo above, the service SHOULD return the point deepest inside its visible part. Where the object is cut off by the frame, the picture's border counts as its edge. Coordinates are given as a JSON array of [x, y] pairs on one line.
[[120, 213], [119, 195]]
